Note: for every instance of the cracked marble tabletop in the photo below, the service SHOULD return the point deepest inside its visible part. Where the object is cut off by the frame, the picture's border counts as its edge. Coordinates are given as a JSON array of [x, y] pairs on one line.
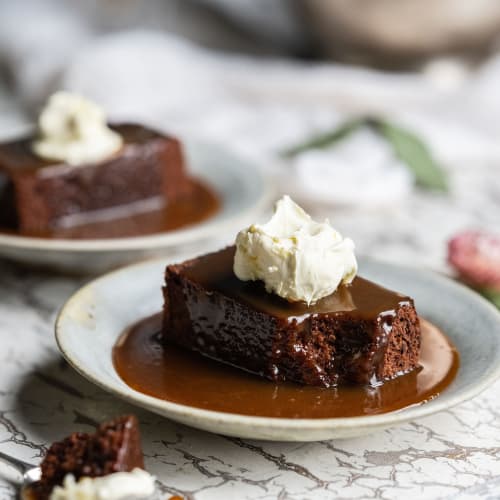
[[448, 454], [43, 399]]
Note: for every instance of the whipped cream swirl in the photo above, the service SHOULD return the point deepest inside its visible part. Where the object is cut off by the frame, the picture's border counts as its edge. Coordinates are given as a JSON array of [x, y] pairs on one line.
[[118, 486], [73, 129], [296, 257]]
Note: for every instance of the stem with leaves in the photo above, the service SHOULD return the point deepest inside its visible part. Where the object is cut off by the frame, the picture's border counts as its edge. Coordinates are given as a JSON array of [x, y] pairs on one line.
[[409, 148]]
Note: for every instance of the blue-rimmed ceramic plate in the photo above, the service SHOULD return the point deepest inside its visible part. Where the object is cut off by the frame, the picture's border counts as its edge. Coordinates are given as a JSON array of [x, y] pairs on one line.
[[244, 191], [92, 320]]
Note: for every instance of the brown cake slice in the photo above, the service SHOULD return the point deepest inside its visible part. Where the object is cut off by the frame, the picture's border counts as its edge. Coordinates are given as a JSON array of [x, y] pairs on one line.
[[362, 333], [35, 194], [114, 447]]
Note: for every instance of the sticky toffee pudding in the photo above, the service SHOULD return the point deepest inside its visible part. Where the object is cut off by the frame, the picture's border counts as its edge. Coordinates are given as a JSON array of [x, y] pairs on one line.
[[80, 177], [143, 189], [114, 447], [281, 325], [362, 333]]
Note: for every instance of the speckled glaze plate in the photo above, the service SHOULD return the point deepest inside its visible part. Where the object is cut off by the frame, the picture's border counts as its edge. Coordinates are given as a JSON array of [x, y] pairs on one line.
[[244, 191], [94, 317]]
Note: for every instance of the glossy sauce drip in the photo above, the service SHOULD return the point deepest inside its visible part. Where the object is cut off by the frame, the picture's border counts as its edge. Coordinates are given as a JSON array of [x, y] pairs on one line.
[[362, 298], [180, 376], [203, 204]]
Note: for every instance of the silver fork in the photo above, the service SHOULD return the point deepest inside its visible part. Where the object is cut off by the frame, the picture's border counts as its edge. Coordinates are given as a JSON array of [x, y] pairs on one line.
[[28, 472]]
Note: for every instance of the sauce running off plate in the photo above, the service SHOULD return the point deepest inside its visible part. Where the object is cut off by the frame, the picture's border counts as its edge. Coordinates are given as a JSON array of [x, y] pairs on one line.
[[180, 376]]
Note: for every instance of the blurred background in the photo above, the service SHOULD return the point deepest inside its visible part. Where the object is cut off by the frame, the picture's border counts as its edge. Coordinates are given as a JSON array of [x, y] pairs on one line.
[[261, 77]]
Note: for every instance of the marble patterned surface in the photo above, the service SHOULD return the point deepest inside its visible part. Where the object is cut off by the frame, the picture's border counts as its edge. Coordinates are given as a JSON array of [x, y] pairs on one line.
[[42, 399], [445, 455]]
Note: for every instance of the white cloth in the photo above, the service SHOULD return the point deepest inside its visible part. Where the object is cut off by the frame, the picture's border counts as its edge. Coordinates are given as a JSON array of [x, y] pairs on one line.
[[257, 106]]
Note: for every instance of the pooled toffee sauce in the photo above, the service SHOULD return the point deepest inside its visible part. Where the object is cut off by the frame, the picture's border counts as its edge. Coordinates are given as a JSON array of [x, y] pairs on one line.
[[128, 220], [173, 374]]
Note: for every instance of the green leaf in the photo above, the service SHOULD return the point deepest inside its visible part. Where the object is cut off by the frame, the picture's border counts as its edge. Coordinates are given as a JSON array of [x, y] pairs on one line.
[[492, 295], [409, 148], [326, 140], [414, 153]]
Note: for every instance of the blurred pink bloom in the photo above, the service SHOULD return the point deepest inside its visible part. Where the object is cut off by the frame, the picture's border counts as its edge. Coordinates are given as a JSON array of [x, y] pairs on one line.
[[476, 257]]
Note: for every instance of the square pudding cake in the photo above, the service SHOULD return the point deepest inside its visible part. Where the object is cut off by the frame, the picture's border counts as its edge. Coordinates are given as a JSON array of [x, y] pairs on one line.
[[361, 333], [78, 168]]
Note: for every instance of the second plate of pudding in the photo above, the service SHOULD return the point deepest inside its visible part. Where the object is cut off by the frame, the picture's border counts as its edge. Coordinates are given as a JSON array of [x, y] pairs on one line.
[[69, 201], [385, 370]]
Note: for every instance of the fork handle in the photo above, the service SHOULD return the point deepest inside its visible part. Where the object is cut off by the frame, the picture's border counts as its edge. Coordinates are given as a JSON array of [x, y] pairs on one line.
[[19, 465]]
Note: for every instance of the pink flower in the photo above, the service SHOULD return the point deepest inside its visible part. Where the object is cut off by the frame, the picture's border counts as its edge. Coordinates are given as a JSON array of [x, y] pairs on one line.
[[476, 257]]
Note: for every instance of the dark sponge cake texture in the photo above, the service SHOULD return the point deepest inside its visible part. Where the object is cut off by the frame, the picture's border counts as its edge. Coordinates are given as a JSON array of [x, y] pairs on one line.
[[37, 194], [114, 447], [362, 334]]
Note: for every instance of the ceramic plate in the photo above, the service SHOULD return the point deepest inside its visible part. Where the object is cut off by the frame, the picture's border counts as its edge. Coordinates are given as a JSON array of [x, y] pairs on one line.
[[244, 190], [91, 321]]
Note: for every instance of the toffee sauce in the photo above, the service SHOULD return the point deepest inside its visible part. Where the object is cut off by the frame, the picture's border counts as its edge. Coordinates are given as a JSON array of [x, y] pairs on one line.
[[170, 373], [123, 222]]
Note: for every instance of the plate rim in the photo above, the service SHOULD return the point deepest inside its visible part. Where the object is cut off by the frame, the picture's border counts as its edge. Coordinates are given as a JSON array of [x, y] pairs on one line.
[[368, 422], [171, 238]]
